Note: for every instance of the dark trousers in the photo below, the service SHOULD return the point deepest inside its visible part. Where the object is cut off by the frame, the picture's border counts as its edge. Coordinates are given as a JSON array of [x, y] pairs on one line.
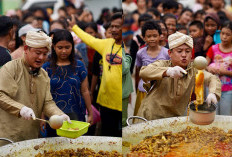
[[111, 122]]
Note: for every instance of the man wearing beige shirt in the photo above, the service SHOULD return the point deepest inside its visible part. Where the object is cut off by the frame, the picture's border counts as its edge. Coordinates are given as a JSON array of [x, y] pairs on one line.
[[169, 86], [25, 91]]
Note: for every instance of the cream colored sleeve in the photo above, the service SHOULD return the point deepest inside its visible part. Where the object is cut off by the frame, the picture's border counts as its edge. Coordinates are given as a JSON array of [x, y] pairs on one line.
[[214, 83], [153, 71], [8, 90]]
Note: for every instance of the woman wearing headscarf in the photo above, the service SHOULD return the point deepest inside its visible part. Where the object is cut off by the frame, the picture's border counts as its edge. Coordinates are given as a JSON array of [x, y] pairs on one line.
[[210, 36]]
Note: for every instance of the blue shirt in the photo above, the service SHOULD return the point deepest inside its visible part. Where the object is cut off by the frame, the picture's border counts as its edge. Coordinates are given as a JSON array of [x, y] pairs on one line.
[[66, 88]]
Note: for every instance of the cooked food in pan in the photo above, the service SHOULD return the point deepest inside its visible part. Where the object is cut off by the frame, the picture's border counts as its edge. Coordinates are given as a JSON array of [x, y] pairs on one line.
[[190, 142], [79, 152]]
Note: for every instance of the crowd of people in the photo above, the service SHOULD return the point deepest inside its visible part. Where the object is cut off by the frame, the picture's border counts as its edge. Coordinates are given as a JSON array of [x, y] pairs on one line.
[[149, 27], [70, 66], [81, 69]]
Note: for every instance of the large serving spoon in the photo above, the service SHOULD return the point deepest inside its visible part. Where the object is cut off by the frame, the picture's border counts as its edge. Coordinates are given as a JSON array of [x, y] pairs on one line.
[[199, 63], [54, 121]]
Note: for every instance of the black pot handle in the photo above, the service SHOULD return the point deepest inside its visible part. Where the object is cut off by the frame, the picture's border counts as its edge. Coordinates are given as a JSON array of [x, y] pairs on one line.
[[134, 117]]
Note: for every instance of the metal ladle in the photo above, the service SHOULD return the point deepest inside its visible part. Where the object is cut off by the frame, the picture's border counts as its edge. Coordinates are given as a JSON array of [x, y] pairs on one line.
[[55, 121], [199, 63]]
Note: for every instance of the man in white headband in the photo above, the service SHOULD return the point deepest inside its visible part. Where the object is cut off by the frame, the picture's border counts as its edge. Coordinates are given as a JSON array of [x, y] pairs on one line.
[[169, 84], [25, 91]]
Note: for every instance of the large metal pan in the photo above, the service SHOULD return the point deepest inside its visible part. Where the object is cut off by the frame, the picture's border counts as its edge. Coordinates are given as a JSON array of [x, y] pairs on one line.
[[133, 134], [28, 148]]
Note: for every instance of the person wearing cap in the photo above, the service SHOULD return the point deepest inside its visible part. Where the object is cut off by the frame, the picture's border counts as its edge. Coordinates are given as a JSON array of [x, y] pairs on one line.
[[169, 85], [25, 91], [21, 37]]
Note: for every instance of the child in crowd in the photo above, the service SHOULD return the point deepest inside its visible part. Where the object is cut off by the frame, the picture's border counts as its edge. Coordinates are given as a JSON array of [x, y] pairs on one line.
[[220, 57], [171, 22], [164, 35], [137, 41], [211, 25], [219, 6], [185, 17], [153, 51], [158, 4], [180, 8], [196, 29], [154, 13], [142, 9], [196, 32], [68, 75], [62, 12], [199, 15], [170, 6], [182, 29]]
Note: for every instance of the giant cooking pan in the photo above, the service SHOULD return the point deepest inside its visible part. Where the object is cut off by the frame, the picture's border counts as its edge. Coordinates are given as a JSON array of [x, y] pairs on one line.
[[135, 133], [30, 148]]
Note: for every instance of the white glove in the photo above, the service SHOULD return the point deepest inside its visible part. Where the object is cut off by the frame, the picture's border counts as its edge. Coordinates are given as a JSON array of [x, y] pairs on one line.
[[211, 98], [175, 72], [66, 118], [27, 113]]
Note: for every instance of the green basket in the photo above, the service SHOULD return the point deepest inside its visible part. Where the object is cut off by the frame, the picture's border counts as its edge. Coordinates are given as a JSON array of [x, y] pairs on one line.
[[65, 131]]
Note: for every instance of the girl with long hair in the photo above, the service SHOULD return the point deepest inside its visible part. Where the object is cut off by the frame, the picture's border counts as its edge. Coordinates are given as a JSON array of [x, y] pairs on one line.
[[69, 81]]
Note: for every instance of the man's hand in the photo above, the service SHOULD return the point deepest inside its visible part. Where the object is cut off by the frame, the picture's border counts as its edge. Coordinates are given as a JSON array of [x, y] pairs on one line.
[[71, 22], [66, 118], [27, 113], [211, 98], [175, 72], [90, 119]]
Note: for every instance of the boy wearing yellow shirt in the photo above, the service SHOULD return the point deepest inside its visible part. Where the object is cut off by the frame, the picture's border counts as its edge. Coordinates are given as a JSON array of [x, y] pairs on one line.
[[110, 92]]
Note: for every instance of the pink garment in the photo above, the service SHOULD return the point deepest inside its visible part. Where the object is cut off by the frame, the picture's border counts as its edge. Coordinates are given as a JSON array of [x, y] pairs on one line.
[[11, 13], [96, 115], [224, 60]]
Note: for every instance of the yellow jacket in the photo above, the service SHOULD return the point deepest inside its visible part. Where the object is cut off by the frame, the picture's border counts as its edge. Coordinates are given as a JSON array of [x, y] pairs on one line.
[[110, 92]]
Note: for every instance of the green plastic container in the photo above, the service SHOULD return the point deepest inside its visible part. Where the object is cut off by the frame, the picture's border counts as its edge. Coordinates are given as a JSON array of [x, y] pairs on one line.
[[65, 131]]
